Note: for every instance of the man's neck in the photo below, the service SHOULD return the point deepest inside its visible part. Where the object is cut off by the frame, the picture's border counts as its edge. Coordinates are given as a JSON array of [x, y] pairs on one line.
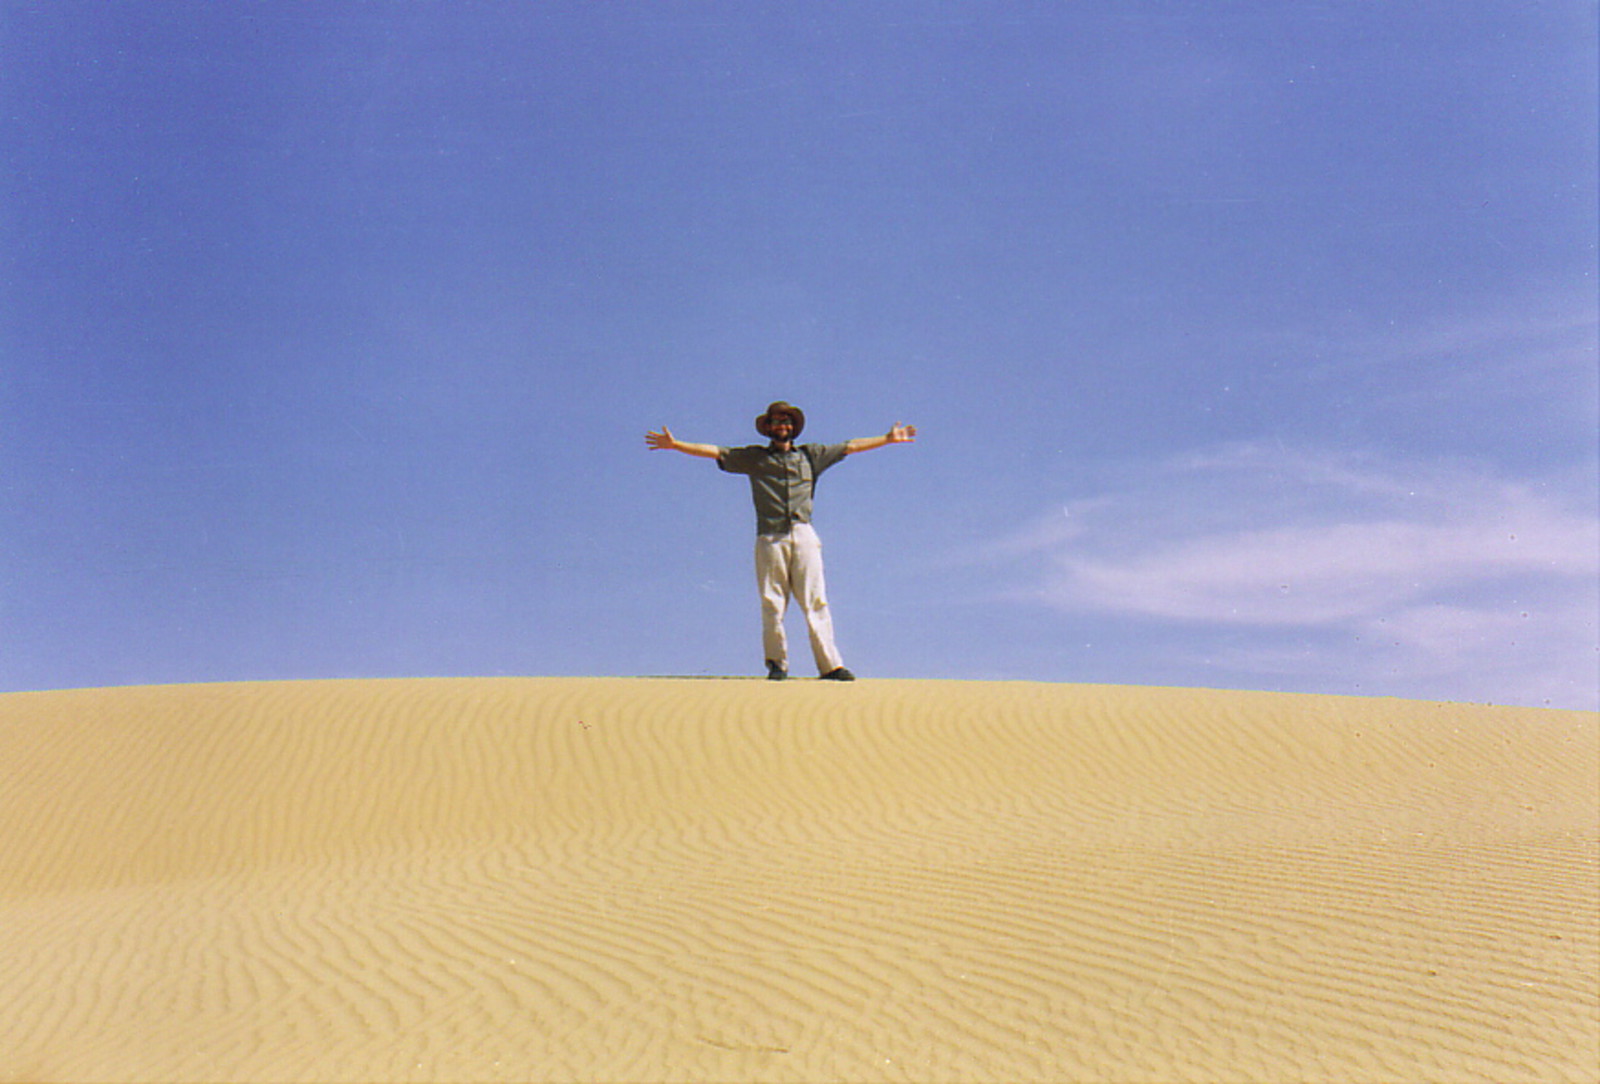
[[781, 445]]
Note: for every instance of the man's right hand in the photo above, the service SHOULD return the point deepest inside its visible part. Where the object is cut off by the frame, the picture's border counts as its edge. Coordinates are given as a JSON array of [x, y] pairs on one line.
[[664, 441]]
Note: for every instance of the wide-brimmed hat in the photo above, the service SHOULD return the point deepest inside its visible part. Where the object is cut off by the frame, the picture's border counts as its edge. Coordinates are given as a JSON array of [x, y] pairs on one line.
[[794, 413]]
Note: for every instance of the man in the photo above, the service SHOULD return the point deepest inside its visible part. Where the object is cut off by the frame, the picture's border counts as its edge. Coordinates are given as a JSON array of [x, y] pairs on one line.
[[783, 477]]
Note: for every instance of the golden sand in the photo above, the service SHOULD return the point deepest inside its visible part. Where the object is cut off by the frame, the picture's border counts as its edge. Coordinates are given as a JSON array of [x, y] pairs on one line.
[[619, 879]]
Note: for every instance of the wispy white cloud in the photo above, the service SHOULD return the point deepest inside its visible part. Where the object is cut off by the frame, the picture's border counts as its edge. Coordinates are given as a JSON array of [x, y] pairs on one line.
[[1534, 358], [1431, 579]]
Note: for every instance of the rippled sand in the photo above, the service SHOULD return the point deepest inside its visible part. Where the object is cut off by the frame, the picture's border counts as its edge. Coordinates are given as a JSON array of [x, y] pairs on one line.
[[620, 879]]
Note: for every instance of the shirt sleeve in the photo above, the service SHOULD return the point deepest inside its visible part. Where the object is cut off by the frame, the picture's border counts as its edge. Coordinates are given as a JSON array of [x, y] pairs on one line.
[[737, 460], [824, 456]]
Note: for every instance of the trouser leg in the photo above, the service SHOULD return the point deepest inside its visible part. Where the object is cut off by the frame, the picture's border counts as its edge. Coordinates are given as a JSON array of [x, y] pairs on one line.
[[772, 581], [810, 590]]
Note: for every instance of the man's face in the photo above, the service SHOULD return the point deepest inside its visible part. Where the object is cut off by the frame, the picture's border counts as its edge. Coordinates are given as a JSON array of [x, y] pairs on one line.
[[781, 426]]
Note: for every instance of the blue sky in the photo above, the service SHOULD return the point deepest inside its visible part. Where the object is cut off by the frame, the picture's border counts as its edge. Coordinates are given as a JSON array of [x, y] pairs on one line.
[[1251, 345]]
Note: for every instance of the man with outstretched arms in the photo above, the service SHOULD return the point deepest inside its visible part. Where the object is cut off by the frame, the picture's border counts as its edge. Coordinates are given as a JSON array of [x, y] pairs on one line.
[[783, 477]]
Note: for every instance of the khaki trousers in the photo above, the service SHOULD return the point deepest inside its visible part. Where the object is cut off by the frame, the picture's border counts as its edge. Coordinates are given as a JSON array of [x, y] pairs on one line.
[[790, 566]]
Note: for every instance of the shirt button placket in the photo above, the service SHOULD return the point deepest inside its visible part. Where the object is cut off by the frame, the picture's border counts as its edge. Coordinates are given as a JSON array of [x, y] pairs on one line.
[[788, 491]]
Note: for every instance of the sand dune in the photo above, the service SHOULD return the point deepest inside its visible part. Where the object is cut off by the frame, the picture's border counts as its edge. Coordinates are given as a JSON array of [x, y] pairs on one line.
[[610, 879]]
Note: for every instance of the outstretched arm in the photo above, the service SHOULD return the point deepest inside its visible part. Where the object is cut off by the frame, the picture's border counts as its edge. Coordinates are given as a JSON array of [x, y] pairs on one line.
[[900, 434], [665, 441]]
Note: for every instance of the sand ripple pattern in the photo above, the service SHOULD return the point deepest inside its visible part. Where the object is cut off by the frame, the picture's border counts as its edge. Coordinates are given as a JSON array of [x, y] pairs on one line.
[[619, 879]]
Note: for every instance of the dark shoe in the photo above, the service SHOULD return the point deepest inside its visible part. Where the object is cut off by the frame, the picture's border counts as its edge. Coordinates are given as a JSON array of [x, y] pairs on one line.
[[775, 672], [840, 674]]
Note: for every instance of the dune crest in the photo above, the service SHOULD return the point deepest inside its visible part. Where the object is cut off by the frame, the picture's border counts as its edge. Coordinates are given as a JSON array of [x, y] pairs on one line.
[[654, 879]]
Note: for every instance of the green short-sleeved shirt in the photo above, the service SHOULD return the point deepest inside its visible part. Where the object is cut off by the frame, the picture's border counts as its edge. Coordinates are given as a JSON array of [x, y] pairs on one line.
[[781, 483]]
